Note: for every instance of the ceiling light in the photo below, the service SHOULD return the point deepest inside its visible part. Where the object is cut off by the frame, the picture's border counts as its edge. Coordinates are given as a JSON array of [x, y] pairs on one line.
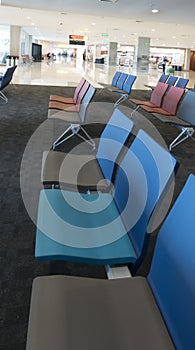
[[113, 1], [155, 10], [153, 30], [93, 23]]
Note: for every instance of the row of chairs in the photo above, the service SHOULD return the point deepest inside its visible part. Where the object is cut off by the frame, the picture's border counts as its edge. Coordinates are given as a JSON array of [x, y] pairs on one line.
[[173, 106], [164, 100], [121, 85], [90, 218], [111, 227], [156, 312], [171, 80]]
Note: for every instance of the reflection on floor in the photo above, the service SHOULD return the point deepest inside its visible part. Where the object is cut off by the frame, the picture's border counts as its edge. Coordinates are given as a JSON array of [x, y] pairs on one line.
[[69, 72]]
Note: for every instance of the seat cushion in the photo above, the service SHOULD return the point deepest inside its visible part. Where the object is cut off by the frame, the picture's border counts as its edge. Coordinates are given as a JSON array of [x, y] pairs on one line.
[[172, 120], [82, 228], [61, 106], [155, 110], [62, 99], [78, 313], [72, 117], [73, 170]]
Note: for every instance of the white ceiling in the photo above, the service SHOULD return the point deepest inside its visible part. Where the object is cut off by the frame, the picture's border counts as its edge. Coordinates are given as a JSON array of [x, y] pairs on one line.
[[123, 20]]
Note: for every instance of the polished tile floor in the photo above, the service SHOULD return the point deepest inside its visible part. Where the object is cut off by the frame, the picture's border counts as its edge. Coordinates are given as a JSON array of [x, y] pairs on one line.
[[68, 72]]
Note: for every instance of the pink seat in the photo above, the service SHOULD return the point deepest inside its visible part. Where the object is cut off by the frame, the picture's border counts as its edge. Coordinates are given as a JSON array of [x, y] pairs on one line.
[[69, 100], [156, 96], [170, 102], [62, 106]]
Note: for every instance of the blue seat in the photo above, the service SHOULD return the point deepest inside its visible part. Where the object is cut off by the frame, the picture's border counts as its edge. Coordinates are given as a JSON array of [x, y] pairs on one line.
[[116, 78], [163, 79], [154, 313], [120, 83], [126, 90], [121, 80], [172, 274], [123, 88], [104, 228], [171, 80], [182, 83], [5, 80], [91, 171], [113, 83]]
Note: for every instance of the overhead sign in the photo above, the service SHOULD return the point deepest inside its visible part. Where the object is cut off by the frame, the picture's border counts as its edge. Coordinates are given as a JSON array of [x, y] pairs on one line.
[[104, 34], [76, 39]]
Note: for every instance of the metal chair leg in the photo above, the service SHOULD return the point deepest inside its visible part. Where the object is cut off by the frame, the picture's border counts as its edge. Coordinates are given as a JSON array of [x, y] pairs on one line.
[[185, 131], [74, 130], [4, 98]]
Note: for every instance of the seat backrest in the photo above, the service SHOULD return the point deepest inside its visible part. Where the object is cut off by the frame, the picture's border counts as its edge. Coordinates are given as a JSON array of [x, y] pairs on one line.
[[112, 139], [85, 102], [172, 273], [115, 78], [121, 80], [129, 83], [7, 77], [78, 89], [82, 92], [171, 80], [186, 110], [142, 177], [172, 98], [158, 93], [182, 83], [163, 78]]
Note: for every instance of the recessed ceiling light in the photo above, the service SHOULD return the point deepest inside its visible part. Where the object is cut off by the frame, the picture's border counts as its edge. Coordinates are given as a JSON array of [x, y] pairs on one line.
[[108, 1], [93, 23], [155, 10], [153, 30]]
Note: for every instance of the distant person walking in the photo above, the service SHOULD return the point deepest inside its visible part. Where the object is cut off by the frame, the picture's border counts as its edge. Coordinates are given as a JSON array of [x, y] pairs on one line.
[[84, 55], [165, 60]]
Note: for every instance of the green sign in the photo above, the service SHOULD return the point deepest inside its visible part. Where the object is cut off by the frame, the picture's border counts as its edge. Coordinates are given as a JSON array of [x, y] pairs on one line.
[[104, 34]]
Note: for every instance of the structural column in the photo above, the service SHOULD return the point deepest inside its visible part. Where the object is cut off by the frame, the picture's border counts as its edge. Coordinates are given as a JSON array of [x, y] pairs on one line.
[[15, 33], [142, 52], [112, 53], [187, 60]]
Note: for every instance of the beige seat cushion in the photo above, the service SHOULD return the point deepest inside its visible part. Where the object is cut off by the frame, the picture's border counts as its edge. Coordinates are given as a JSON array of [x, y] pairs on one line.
[[71, 313], [73, 170]]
